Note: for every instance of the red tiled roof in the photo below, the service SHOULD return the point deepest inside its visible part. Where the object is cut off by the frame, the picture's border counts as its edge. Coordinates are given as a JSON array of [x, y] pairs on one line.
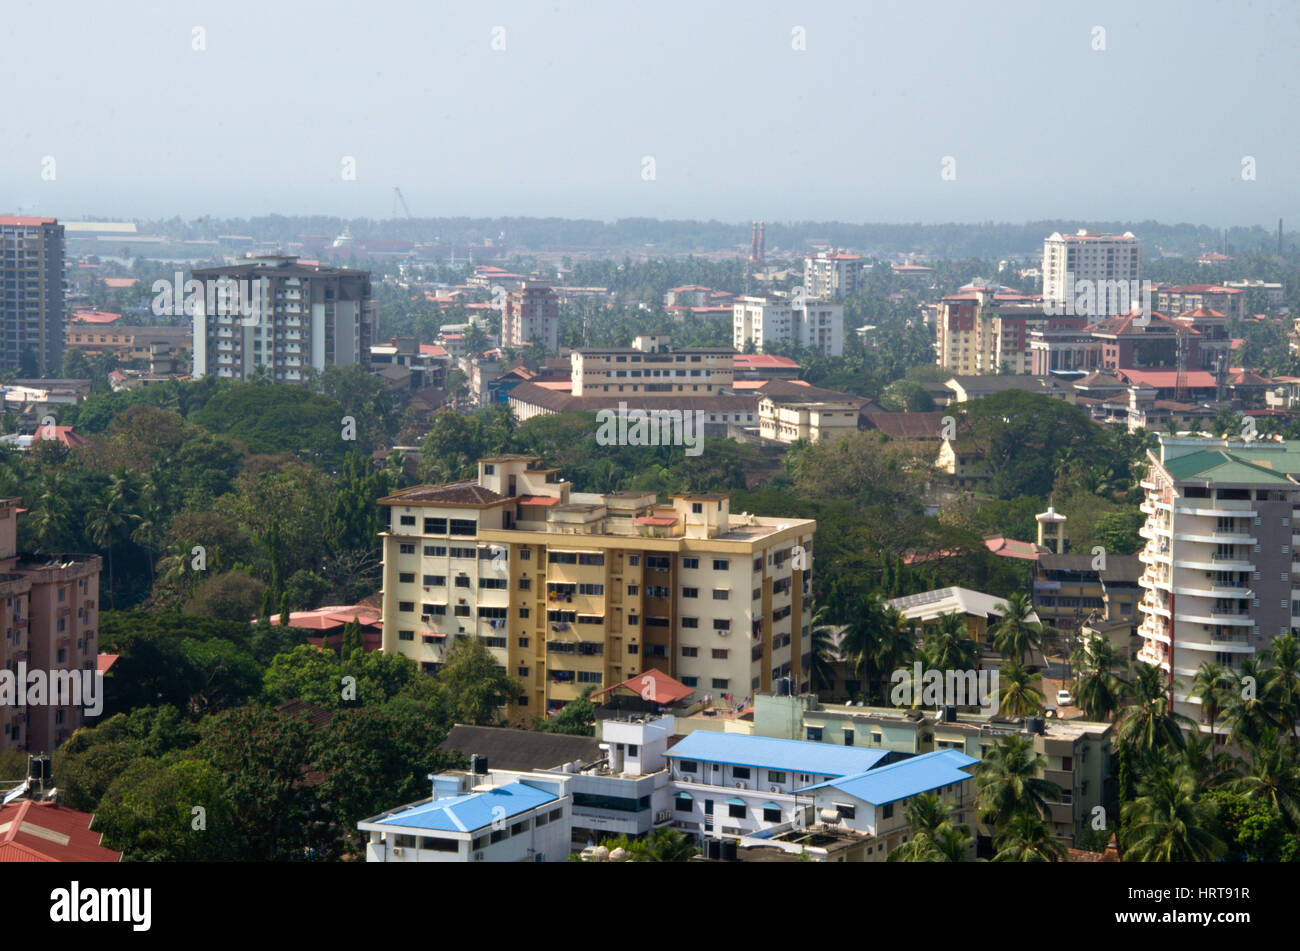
[[537, 500], [104, 661], [656, 520], [94, 317], [1168, 378], [755, 361], [433, 350], [653, 685], [1201, 289], [121, 281], [1011, 548], [48, 832], [25, 222]]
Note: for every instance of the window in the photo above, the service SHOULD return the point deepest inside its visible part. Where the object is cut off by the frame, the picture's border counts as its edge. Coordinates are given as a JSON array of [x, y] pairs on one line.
[[740, 772], [721, 624], [523, 612], [696, 508], [633, 590], [848, 737], [406, 635], [721, 594], [720, 683], [721, 564], [690, 622], [463, 526], [736, 810], [690, 652], [720, 653], [634, 561], [464, 553], [683, 802], [435, 581], [462, 581], [690, 592], [406, 549], [846, 811], [776, 777], [435, 526], [813, 733], [403, 577], [408, 519], [656, 563], [887, 811], [688, 766], [406, 606], [435, 551], [690, 562], [492, 583]]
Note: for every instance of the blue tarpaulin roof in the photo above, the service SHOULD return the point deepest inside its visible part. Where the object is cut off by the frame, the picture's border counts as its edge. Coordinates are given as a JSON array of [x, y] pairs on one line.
[[796, 756]]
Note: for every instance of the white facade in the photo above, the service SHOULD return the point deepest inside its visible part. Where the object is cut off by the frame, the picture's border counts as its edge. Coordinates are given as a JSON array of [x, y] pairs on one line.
[[1093, 257], [813, 324]]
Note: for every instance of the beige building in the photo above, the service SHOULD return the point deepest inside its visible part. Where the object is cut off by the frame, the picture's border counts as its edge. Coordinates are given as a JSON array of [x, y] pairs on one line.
[[652, 366], [788, 412], [531, 314], [50, 624], [571, 589]]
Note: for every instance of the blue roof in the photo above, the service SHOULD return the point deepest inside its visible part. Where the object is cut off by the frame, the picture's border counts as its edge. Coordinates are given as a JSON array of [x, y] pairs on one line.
[[796, 756], [905, 778], [472, 810]]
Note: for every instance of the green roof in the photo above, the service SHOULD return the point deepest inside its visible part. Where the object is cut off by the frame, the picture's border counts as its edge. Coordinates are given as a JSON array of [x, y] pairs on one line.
[[1247, 467]]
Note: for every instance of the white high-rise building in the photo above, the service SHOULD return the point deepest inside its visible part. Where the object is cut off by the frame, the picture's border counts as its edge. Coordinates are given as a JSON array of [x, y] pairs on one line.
[[1096, 258], [832, 275], [813, 324]]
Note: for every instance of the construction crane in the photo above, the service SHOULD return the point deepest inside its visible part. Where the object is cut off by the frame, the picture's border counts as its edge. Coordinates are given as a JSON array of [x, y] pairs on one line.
[[397, 197]]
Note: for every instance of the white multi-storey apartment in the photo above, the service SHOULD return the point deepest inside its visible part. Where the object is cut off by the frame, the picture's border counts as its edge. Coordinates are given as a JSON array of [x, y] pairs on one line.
[[1093, 257], [767, 321], [572, 589], [651, 365], [832, 275], [275, 312], [1220, 556]]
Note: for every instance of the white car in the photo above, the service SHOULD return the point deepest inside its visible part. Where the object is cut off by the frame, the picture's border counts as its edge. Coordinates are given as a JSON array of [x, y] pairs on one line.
[[1063, 698]]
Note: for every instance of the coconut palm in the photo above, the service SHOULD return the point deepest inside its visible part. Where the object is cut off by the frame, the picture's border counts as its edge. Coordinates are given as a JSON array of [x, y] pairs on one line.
[[821, 651], [1212, 684], [896, 642], [935, 836], [1027, 838], [1283, 659], [1018, 690], [1252, 706], [1212, 766], [1097, 689], [1167, 822], [859, 641], [1273, 776], [1149, 721], [1009, 781], [1017, 634], [948, 645]]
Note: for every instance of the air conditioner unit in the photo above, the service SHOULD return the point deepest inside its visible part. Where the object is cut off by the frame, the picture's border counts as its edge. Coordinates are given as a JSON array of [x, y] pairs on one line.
[[722, 633], [741, 786], [425, 618], [773, 788], [399, 851]]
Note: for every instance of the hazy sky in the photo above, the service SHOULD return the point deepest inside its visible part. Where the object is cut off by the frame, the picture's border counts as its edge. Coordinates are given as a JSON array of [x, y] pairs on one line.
[[739, 124]]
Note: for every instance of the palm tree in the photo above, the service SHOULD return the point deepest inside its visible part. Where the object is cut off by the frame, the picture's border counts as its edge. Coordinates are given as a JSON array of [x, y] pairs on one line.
[[948, 645], [858, 642], [1212, 684], [1253, 706], [1212, 766], [1150, 720], [1273, 777], [1009, 781], [935, 837], [668, 845], [1016, 634], [1027, 838], [1096, 687], [106, 526], [1283, 659], [1018, 693], [896, 643], [1167, 822], [821, 651]]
